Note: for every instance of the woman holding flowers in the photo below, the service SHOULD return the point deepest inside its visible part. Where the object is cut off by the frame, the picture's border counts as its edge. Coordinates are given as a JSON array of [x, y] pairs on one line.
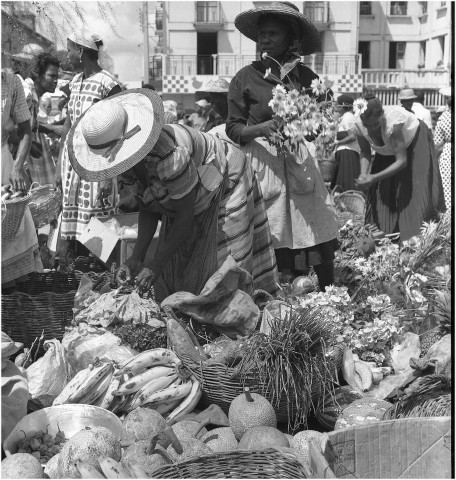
[[404, 183], [300, 214]]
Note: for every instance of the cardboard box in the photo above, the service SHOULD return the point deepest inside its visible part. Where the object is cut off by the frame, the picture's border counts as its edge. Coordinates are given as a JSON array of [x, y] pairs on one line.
[[405, 448], [107, 245]]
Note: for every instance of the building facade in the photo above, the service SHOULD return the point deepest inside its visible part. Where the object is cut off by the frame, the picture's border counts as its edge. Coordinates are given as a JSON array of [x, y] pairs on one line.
[[382, 46]]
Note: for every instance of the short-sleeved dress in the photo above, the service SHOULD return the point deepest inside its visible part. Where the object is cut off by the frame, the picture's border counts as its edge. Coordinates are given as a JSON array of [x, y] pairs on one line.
[[230, 216], [414, 195], [79, 196], [443, 134], [348, 165]]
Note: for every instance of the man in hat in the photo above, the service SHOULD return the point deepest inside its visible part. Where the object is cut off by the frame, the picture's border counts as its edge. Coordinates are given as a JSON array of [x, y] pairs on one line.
[[408, 100]]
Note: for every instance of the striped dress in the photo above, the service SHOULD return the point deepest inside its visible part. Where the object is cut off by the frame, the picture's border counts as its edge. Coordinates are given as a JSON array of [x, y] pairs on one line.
[[230, 216]]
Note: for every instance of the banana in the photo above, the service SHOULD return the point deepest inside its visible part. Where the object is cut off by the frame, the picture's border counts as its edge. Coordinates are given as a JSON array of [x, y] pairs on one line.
[[92, 379], [86, 470], [138, 381], [108, 397], [150, 388], [365, 373], [147, 359], [98, 390], [136, 470], [111, 468], [189, 403], [72, 387], [377, 375], [170, 394], [164, 408]]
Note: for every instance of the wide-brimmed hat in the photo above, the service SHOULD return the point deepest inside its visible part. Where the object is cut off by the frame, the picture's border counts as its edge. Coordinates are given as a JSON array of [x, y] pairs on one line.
[[247, 23], [407, 94], [9, 347], [445, 91], [115, 134], [215, 85], [28, 52]]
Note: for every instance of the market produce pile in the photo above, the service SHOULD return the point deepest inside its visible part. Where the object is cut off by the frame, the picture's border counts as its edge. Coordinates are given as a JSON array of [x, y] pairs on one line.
[[374, 346]]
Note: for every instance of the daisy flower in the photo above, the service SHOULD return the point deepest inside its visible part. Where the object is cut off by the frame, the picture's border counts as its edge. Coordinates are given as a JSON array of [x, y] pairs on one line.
[[317, 86], [359, 106]]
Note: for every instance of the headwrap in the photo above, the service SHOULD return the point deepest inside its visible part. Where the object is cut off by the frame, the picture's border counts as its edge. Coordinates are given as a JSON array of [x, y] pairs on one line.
[[85, 39]]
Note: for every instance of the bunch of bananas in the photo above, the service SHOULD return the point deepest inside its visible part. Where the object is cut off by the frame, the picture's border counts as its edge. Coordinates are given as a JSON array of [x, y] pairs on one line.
[[111, 469], [155, 378]]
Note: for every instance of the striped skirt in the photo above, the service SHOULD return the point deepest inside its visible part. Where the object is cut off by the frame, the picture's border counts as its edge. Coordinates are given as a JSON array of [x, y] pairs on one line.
[[234, 224]]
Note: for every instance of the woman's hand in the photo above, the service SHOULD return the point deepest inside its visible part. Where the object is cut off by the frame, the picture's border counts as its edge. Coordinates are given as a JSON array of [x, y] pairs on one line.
[[128, 270], [18, 179], [268, 128], [365, 181], [145, 279]]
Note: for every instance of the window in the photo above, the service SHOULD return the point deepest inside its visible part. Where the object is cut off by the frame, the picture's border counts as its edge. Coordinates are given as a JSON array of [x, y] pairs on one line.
[[365, 8], [207, 12], [443, 4], [398, 8], [423, 53], [364, 50], [316, 12], [423, 6], [396, 55]]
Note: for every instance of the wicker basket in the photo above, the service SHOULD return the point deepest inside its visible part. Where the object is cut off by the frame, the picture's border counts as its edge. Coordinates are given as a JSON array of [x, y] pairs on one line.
[[44, 302], [437, 406], [221, 387], [268, 463], [327, 169], [351, 201], [45, 204], [11, 221], [343, 217]]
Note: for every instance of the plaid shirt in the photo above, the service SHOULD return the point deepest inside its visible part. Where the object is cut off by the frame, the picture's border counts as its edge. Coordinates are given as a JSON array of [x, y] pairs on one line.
[[14, 106]]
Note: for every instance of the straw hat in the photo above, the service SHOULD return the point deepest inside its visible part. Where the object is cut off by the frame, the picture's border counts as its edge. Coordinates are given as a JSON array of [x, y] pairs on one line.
[[8, 346], [407, 94], [215, 85], [115, 134], [28, 52], [247, 23], [445, 91]]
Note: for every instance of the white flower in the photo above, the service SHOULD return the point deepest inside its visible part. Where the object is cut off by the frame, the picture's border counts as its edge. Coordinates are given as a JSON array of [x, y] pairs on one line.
[[264, 55], [317, 86], [268, 72], [359, 106]]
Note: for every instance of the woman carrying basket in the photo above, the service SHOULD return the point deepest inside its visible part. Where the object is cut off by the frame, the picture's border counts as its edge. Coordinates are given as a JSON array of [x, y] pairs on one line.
[[302, 220], [201, 188]]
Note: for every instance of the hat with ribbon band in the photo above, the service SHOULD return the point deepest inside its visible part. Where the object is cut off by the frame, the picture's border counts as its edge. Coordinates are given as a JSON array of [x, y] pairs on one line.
[[115, 134]]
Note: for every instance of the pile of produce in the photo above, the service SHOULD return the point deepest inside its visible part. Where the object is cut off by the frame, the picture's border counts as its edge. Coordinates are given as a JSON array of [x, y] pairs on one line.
[[42, 445]]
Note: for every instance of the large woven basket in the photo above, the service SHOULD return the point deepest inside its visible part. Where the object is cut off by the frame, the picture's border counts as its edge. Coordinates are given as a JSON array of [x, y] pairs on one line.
[[11, 220], [351, 201], [268, 463], [437, 406], [327, 169], [44, 302], [221, 386], [45, 204]]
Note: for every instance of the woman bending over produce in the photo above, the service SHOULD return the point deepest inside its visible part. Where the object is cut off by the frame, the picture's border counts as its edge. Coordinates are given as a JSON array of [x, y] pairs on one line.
[[201, 188]]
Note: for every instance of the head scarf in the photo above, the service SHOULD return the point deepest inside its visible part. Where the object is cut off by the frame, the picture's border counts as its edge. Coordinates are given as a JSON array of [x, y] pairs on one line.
[[85, 39]]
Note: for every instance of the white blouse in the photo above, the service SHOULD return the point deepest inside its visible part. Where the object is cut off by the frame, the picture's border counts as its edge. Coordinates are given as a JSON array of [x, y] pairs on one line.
[[346, 124], [398, 130]]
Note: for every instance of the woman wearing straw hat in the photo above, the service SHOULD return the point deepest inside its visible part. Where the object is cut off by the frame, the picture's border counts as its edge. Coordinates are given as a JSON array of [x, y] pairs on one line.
[[83, 200], [202, 189], [404, 184], [347, 148], [302, 220], [443, 139]]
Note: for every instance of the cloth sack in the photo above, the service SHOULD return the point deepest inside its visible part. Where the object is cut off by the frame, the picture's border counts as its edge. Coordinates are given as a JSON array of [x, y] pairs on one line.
[[15, 396], [47, 377], [224, 302]]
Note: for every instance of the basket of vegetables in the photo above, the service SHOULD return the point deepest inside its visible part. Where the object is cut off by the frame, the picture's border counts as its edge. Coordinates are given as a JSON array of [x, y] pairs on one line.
[[269, 463], [45, 204], [13, 208], [291, 366]]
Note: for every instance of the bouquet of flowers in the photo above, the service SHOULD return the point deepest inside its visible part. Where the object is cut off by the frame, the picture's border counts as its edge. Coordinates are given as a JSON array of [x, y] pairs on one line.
[[298, 115]]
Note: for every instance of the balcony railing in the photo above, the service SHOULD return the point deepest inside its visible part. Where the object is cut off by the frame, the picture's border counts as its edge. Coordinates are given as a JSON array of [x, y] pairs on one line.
[[228, 64], [377, 78]]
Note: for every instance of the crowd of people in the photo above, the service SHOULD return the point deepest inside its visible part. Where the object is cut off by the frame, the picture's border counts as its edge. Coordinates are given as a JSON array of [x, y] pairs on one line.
[[211, 177]]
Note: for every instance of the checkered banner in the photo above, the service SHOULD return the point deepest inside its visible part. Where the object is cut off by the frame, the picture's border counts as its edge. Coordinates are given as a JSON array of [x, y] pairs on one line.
[[347, 83], [186, 83]]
